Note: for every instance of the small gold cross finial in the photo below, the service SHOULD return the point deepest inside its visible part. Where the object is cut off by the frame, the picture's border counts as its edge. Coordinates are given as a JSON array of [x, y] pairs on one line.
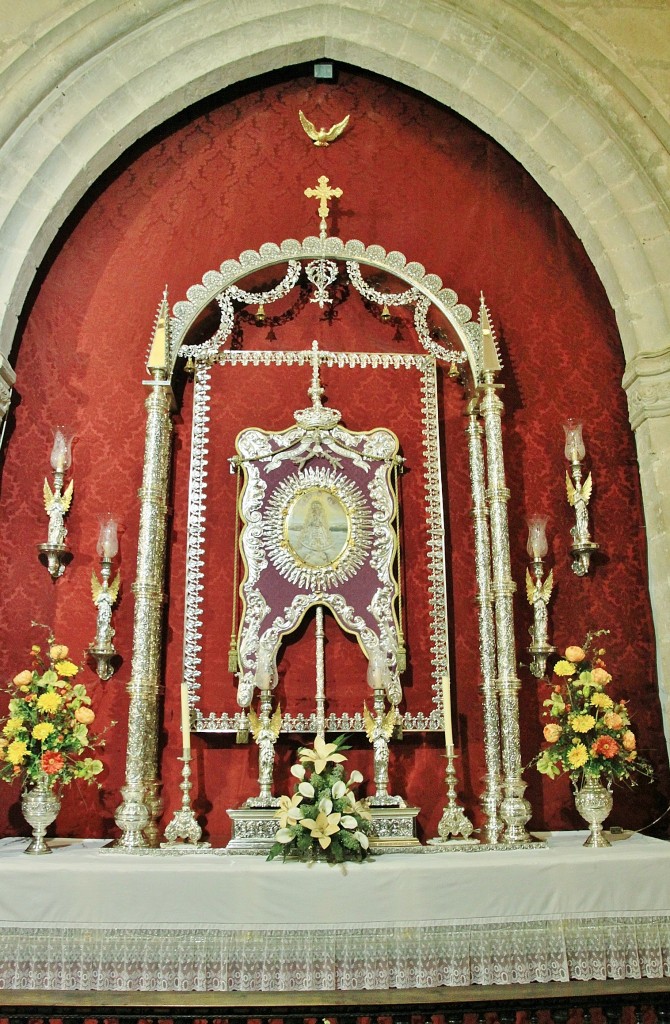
[[323, 192]]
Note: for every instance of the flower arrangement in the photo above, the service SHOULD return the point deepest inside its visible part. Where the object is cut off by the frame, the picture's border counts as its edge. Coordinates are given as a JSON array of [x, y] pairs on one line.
[[46, 731], [589, 733], [323, 817]]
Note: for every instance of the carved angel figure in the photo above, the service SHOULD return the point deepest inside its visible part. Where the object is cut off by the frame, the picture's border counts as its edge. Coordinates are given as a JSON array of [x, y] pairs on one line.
[[379, 730], [538, 593], [56, 506], [265, 731], [323, 136], [104, 599], [579, 496]]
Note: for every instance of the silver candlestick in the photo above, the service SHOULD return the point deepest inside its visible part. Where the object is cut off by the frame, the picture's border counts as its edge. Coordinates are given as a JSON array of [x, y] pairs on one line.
[[104, 596], [57, 504], [379, 729], [455, 827], [579, 495], [538, 592], [184, 825], [265, 728]]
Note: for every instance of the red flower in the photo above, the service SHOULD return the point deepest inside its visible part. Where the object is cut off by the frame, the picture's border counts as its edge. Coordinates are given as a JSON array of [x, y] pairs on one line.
[[605, 746], [52, 761]]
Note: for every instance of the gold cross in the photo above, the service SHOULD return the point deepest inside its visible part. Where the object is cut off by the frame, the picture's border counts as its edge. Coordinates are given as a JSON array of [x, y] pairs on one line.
[[323, 192]]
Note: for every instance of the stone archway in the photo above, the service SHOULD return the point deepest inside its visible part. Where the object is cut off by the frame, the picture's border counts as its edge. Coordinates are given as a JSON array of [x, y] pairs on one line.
[[87, 81]]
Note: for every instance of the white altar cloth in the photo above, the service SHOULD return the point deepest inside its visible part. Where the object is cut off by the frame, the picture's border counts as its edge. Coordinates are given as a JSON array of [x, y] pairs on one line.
[[78, 920]]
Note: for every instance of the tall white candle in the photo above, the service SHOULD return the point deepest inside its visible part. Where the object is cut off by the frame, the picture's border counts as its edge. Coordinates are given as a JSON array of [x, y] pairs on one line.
[[185, 721], [446, 710]]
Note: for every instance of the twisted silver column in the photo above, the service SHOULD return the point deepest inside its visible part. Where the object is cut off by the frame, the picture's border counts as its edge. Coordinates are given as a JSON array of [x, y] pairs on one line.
[[514, 809], [491, 797], [142, 806]]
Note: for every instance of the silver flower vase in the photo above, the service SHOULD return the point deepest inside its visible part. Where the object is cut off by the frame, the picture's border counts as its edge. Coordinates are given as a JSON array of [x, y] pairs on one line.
[[594, 802], [40, 806]]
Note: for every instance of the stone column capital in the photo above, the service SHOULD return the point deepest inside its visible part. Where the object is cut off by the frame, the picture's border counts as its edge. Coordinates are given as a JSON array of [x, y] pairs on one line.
[[647, 384]]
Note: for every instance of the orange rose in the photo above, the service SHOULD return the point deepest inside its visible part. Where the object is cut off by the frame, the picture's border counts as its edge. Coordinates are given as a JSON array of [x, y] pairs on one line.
[[58, 651], [628, 740], [575, 654], [613, 720], [84, 715], [23, 678], [551, 732], [601, 677]]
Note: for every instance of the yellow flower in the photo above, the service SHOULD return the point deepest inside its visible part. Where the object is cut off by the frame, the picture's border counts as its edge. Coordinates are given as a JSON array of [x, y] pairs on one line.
[[42, 730], [16, 751], [601, 700], [323, 753], [12, 727], [66, 668], [564, 668], [578, 755], [49, 702], [582, 723], [324, 826]]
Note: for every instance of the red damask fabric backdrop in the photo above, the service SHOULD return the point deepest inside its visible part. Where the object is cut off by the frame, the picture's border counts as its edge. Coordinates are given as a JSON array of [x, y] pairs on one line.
[[417, 178]]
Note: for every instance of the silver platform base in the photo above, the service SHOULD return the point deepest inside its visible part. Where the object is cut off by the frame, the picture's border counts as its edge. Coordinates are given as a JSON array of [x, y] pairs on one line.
[[254, 830], [393, 830]]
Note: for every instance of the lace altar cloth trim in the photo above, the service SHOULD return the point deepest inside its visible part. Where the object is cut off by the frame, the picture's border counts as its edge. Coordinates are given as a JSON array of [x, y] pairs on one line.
[[206, 960]]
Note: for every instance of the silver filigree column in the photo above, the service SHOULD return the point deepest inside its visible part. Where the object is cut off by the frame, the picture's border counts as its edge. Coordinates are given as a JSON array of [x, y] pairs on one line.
[[514, 809], [138, 814], [491, 797]]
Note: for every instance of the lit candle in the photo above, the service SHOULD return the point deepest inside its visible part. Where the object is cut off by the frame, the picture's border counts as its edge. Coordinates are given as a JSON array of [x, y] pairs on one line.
[[446, 712], [185, 721], [574, 442], [537, 546], [108, 541], [61, 452]]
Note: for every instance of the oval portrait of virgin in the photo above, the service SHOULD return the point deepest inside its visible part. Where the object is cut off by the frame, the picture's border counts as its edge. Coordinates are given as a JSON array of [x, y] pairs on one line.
[[317, 528]]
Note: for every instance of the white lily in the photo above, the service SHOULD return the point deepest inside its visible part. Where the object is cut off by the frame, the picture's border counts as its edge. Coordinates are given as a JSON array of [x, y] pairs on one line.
[[362, 839], [306, 789], [348, 821], [355, 777], [284, 835], [325, 805], [338, 790], [298, 771]]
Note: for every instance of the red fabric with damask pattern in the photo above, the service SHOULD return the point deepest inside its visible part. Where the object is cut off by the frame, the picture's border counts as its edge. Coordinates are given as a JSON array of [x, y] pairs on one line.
[[416, 178]]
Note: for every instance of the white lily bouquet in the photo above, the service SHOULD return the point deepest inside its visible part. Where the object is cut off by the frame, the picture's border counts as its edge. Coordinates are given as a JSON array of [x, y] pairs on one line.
[[323, 818]]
